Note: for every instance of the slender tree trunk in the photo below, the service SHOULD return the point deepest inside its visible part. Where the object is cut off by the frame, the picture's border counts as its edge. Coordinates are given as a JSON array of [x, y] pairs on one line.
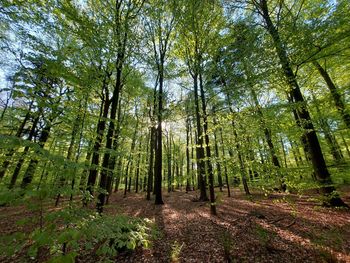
[[70, 152], [296, 153], [188, 185], [238, 148], [110, 139], [158, 163], [120, 171], [337, 98], [28, 175], [199, 147], [138, 168], [345, 144], [150, 163], [284, 153], [192, 158], [208, 151], [169, 162], [130, 159], [130, 177], [11, 152], [84, 174], [113, 159], [101, 125], [319, 165], [225, 166], [218, 165], [267, 131], [26, 150], [327, 131]]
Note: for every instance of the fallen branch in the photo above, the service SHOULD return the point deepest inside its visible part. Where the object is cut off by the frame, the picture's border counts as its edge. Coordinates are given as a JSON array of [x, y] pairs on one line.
[[276, 220], [291, 223]]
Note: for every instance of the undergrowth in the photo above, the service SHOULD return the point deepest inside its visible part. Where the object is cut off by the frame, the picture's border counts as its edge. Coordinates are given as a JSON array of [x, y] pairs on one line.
[[62, 235]]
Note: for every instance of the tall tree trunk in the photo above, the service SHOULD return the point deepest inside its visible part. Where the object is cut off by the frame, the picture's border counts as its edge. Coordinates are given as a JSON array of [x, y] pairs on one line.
[[101, 126], [188, 185], [327, 131], [169, 162], [130, 158], [207, 148], [218, 165], [138, 167], [119, 174], [238, 148], [150, 163], [113, 158], [319, 165], [199, 147], [110, 139], [11, 152], [267, 131], [284, 152], [225, 166], [158, 163], [345, 144], [84, 174], [26, 150], [28, 175], [337, 98], [70, 153]]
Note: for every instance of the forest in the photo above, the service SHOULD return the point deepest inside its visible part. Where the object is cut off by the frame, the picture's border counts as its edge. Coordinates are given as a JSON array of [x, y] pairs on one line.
[[174, 131]]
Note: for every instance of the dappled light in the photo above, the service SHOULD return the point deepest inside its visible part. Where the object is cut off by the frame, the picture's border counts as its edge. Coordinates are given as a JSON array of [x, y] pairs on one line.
[[174, 131]]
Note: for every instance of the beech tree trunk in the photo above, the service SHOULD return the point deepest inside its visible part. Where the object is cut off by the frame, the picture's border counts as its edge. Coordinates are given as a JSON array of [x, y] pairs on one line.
[[28, 175], [217, 155], [225, 166], [101, 125], [150, 163], [26, 149], [18, 134], [199, 147], [337, 98], [319, 165]]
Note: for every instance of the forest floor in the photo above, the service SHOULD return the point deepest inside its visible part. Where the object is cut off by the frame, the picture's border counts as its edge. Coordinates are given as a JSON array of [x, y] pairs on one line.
[[257, 228], [273, 228]]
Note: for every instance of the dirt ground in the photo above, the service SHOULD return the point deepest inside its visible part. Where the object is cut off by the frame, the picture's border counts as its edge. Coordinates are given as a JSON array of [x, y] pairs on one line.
[[276, 228], [259, 228]]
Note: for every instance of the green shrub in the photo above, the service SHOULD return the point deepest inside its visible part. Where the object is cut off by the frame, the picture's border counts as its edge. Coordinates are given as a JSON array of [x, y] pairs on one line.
[[68, 232]]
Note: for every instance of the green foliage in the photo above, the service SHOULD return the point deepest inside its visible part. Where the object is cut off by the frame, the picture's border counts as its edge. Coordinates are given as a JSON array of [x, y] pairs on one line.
[[227, 242], [331, 237], [264, 236], [175, 251], [9, 197], [67, 232]]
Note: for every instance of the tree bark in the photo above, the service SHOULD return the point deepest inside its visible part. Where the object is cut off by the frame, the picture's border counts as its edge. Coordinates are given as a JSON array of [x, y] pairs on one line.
[[11, 152], [319, 165], [28, 175], [225, 166], [199, 147], [150, 163], [26, 149], [101, 126], [337, 98]]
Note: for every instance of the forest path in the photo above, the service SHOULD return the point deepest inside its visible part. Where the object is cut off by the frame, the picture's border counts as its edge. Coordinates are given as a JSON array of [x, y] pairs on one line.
[[277, 228]]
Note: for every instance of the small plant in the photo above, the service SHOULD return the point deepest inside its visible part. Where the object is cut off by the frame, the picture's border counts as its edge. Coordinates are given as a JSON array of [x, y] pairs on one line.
[[62, 234], [262, 234], [175, 252], [227, 242], [331, 238], [328, 256]]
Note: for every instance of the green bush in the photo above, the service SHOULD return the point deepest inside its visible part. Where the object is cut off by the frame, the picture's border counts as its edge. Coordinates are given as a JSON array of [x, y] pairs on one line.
[[69, 232]]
